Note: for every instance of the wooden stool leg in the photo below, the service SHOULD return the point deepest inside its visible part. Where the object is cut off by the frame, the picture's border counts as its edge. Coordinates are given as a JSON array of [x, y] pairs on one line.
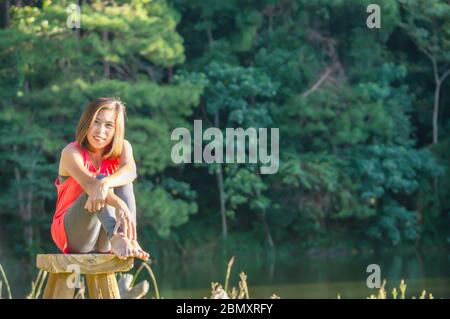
[[57, 288], [103, 286]]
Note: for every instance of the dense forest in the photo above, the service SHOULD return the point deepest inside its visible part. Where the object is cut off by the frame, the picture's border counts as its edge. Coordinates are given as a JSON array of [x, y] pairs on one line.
[[363, 116]]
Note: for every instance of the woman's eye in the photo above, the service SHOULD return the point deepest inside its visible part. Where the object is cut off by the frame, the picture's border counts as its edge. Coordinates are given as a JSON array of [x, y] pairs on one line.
[[110, 125]]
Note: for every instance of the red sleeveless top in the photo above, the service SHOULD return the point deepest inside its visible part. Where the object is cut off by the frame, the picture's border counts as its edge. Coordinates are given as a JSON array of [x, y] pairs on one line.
[[69, 191]]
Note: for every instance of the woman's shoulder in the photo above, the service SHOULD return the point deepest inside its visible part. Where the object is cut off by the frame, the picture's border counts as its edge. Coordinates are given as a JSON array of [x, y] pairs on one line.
[[126, 150], [126, 145], [68, 154], [71, 148]]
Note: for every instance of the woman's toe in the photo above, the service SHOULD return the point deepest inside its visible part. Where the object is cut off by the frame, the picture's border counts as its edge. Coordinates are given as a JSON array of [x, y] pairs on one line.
[[141, 255]]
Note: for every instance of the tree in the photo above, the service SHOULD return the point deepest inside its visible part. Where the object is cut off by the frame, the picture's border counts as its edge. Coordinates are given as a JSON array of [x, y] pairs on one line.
[[236, 97], [125, 49], [427, 23]]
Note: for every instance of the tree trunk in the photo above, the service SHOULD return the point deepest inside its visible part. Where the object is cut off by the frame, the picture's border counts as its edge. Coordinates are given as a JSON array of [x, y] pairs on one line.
[[419, 220], [266, 225], [169, 74], [24, 207], [219, 175], [4, 8], [267, 230], [28, 229], [437, 90], [210, 37], [438, 80], [26, 198], [270, 13], [106, 66]]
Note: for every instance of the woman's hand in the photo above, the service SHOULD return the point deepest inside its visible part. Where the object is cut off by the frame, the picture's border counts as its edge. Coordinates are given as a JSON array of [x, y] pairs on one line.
[[98, 191], [89, 206], [124, 221]]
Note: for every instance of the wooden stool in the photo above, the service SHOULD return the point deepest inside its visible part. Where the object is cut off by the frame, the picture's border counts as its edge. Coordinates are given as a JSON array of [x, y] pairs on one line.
[[99, 270]]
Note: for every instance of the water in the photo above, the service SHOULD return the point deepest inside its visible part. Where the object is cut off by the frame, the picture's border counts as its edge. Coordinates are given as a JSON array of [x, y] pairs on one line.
[[310, 277], [293, 277]]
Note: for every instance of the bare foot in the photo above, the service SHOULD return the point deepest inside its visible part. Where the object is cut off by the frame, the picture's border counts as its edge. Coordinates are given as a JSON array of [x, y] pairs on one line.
[[122, 247], [142, 254]]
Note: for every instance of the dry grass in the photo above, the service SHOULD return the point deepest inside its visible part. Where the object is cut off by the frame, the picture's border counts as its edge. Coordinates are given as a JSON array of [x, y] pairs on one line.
[[217, 292], [402, 287], [152, 276], [36, 285], [8, 288]]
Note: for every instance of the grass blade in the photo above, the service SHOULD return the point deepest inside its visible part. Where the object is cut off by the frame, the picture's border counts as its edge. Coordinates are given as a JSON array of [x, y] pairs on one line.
[[6, 282]]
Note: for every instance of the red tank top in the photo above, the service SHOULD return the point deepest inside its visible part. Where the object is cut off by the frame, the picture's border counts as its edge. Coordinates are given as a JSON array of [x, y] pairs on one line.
[[69, 191]]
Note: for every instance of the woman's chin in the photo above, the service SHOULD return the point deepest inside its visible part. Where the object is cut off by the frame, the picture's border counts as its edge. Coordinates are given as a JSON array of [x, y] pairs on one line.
[[97, 146]]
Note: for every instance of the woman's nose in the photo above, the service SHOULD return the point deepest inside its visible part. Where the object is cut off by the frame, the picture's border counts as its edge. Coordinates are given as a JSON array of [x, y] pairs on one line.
[[101, 130]]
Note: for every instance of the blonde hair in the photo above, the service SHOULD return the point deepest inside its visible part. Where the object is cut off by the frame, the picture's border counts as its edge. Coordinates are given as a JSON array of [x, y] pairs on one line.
[[113, 149]]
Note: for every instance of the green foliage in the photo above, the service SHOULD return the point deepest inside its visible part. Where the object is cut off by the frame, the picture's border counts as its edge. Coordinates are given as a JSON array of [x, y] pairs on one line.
[[49, 73], [161, 210], [353, 105], [389, 178]]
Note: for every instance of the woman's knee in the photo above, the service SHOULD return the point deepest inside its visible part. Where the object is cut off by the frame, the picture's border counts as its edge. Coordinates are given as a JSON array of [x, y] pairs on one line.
[[124, 190], [127, 188]]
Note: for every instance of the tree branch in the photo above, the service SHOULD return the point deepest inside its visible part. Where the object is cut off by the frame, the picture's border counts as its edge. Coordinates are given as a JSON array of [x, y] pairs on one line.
[[444, 76], [319, 82], [335, 65]]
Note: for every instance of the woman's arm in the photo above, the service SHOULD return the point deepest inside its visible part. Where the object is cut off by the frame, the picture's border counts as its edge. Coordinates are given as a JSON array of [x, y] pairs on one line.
[[124, 220], [72, 162], [123, 216], [127, 171]]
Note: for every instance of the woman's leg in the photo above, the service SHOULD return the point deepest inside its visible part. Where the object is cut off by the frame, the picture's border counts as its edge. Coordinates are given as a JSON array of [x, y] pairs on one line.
[[83, 227], [126, 194], [103, 243], [94, 232]]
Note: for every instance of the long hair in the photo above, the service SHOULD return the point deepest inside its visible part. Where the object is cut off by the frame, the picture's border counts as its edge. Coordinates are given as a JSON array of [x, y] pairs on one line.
[[113, 149]]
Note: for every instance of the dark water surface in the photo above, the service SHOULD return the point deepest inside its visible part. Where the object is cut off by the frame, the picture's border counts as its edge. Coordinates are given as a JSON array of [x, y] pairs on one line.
[[287, 277]]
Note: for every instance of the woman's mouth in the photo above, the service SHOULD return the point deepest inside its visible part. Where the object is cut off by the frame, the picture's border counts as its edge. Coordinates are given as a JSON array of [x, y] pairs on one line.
[[99, 139]]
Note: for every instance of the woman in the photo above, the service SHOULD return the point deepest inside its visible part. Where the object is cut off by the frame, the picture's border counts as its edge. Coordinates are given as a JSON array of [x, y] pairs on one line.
[[96, 208]]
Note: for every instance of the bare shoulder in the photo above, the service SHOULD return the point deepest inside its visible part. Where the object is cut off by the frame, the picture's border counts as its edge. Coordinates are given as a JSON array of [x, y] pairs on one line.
[[68, 154], [126, 144], [127, 153], [69, 151], [127, 149]]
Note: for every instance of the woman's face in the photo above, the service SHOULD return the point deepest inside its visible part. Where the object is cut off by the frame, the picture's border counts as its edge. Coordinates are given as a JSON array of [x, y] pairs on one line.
[[102, 129]]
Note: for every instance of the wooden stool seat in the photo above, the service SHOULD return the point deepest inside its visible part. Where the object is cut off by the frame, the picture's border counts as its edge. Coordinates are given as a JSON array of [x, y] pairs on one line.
[[99, 270]]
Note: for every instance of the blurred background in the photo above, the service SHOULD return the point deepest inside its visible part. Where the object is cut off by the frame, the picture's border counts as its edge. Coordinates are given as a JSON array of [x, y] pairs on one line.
[[364, 119]]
